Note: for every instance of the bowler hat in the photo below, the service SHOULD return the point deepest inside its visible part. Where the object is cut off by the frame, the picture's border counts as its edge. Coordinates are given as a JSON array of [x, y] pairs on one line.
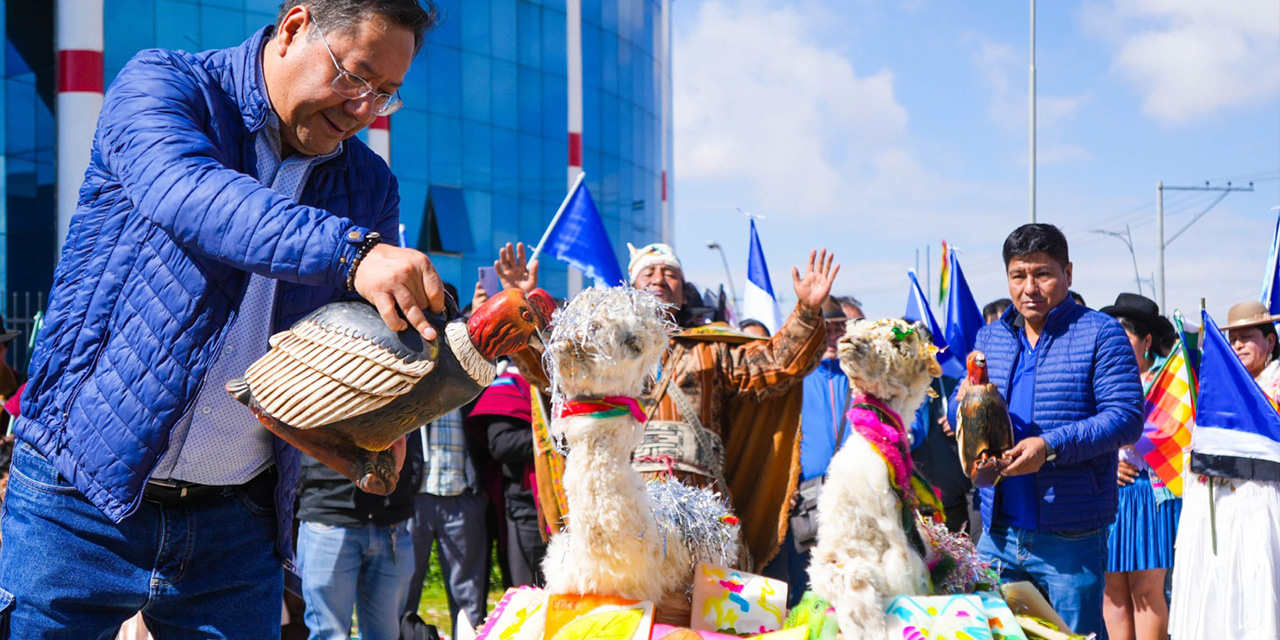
[[1142, 310]]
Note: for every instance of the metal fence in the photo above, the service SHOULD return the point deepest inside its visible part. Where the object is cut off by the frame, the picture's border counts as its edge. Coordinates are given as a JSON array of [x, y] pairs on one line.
[[20, 313]]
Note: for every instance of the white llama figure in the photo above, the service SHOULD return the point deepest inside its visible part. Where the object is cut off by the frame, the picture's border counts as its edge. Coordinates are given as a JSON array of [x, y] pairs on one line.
[[604, 345], [862, 556]]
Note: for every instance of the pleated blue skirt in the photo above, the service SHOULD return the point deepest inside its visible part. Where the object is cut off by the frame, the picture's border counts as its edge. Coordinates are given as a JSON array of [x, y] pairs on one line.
[[1142, 536]]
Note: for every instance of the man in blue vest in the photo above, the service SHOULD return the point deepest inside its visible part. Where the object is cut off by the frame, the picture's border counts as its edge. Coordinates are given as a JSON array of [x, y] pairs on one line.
[[225, 198], [1071, 382]]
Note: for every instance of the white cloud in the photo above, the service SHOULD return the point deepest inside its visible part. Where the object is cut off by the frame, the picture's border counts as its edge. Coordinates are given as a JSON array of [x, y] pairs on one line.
[[760, 103], [1188, 58]]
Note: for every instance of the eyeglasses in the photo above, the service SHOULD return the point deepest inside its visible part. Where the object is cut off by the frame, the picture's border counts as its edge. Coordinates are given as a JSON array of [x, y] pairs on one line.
[[353, 87]]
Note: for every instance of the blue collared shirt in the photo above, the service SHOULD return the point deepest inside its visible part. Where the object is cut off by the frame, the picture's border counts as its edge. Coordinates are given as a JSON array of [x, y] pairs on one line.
[[1017, 501]]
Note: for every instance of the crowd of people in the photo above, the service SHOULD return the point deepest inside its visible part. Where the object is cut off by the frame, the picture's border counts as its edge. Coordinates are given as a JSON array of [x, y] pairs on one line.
[[225, 200]]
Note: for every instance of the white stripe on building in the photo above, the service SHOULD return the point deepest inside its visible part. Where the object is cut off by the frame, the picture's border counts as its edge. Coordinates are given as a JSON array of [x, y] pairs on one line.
[[573, 53], [79, 39], [380, 138]]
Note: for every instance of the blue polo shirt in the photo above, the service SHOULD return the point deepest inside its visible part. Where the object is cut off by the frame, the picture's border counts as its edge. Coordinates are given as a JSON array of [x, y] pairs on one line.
[[1017, 504]]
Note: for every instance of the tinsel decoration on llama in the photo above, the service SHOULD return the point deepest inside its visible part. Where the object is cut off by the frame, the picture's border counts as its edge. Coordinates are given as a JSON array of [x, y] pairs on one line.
[[623, 538]]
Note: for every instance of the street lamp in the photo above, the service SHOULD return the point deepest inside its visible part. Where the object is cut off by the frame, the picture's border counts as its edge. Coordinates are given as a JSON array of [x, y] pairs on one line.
[[1127, 239], [733, 292]]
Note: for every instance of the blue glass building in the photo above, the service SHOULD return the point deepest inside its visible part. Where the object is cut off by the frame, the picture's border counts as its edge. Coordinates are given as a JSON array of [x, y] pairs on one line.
[[480, 148]]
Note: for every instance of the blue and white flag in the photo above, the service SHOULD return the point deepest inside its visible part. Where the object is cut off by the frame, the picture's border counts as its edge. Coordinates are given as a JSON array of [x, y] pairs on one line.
[[1237, 433], [577, 236], [918, 311], [964, 318], [1271, 279], [758, 301]]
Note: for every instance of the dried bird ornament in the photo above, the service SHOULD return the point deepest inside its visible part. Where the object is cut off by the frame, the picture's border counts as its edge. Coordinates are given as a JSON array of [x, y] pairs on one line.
[[344, 388]]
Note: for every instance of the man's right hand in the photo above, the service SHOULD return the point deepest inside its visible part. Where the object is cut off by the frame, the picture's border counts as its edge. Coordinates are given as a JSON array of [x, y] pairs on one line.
[[401, 281]]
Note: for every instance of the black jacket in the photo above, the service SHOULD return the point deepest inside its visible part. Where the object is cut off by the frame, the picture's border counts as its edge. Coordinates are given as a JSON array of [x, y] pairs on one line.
[[327, 497], [511, 443]]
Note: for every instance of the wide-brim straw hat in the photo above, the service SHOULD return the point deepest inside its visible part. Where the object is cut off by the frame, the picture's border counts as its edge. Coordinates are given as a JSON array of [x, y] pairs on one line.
[[1250, 313]]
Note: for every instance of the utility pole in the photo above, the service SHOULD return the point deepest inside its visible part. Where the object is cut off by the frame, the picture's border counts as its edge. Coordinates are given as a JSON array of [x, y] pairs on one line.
[[1032, 151], [1160, 246], [1161, 243]]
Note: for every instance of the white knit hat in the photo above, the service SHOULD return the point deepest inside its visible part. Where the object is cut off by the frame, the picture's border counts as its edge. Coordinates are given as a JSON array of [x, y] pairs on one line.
[[649, 255]]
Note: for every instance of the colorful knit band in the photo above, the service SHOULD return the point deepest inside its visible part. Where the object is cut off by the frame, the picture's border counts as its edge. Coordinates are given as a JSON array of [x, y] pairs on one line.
[[610, 407]]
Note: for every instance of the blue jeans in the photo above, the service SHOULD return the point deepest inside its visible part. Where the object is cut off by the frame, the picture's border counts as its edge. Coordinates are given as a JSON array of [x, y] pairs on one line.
[[367, 567], [1069, 567], [207, 570]]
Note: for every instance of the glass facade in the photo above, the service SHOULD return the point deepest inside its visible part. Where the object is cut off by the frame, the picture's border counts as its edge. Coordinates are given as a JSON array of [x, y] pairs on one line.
[[480, 148], [484, 129]]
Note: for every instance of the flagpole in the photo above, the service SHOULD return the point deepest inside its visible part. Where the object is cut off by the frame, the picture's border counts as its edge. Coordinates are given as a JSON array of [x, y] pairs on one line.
[[1213, 515], [582, 175]]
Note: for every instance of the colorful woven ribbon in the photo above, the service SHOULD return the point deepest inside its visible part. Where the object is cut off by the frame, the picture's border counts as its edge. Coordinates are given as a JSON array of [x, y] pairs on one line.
[[610, 407]]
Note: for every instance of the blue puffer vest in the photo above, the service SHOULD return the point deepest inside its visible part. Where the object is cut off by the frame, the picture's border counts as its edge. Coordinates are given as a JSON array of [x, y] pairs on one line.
[[1087, 404], [169, 224]]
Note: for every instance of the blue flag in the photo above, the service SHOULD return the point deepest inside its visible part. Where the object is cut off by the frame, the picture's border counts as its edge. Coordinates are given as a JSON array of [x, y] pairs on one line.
[[964, 318], [577, 236], [758, 301], [1271, 279], [1237, 432], [918, 311]]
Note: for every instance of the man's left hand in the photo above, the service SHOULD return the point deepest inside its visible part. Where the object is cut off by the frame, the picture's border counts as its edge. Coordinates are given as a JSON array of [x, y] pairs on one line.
[[813, 288], [1026, 457]]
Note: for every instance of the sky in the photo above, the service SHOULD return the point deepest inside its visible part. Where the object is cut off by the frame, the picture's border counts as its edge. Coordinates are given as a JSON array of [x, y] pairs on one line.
[[879, 128]]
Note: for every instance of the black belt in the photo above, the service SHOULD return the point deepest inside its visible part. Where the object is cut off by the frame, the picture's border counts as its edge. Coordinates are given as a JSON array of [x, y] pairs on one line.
[[174, 493]]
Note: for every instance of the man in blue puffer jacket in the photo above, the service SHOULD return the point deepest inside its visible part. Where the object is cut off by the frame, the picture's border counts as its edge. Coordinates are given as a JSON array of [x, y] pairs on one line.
[[225, 198], [1071, 382]]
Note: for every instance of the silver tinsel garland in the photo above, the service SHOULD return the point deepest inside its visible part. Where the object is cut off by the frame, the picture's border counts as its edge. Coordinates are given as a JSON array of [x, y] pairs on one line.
[[699, 516]]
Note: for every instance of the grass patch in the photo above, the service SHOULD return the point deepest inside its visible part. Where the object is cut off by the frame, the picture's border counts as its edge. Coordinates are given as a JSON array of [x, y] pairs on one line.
[[434, 605]]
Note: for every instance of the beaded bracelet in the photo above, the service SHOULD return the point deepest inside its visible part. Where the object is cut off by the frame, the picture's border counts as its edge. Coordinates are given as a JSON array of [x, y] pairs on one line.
[[371, 240]]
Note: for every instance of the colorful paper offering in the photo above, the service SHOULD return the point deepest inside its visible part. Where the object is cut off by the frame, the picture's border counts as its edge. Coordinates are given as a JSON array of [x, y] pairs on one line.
[[589, 617], [519, 615], [732, 601], [959, 617], [1000, 617]]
